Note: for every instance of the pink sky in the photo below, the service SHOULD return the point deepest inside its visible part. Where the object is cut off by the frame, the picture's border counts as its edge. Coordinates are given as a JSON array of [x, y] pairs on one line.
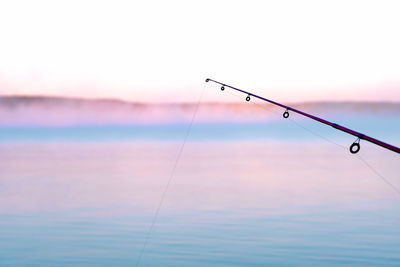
[[286, 50], [386, 91]]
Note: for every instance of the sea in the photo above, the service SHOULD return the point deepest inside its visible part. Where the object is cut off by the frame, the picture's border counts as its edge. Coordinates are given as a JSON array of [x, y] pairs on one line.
[[282, 192]]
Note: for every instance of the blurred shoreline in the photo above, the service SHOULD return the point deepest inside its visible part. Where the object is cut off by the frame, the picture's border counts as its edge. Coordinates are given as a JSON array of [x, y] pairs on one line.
[[66, 111]]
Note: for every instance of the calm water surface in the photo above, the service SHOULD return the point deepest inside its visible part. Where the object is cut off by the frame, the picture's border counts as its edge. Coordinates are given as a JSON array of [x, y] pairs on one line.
[[235, 203]]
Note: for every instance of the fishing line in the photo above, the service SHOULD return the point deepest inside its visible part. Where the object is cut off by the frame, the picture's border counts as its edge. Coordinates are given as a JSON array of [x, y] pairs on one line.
[[296, 123], [171, 176], [379, 175], [293, 121], [369, 166]]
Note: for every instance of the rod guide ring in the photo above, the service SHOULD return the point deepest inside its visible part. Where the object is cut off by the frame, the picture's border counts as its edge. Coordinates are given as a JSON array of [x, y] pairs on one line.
[[355, 147], [286, 114]]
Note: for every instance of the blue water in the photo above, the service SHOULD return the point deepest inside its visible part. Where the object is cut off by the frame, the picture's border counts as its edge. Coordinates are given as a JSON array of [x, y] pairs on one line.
[[254, 194], [385, 128], [301, 239]]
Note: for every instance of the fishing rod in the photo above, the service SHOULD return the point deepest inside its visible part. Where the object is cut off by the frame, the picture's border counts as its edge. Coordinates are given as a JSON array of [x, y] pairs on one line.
[[354, 148]]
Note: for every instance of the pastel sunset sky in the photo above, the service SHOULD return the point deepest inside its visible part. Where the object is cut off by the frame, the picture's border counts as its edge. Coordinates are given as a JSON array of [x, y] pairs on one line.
[[161, 51]]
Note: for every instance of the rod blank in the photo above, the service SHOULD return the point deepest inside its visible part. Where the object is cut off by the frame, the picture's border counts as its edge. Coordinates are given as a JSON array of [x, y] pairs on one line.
[[354, 148]]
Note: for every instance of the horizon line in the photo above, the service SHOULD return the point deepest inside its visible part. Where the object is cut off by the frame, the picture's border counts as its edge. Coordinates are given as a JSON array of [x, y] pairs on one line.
[[94, 99]]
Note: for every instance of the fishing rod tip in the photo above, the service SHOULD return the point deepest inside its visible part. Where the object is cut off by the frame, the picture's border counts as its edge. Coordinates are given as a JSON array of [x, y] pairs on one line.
[[207, 80]]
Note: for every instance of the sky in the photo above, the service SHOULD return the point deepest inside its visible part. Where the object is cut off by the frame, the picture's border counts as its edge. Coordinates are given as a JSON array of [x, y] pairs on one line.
[[162, 51]]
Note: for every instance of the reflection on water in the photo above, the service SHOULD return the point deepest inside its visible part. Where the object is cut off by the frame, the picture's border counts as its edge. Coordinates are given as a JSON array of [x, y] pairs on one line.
[[384, 128], [230, 204]]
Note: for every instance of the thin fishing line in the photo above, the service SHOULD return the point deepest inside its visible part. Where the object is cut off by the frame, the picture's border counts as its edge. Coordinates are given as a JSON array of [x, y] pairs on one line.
[[317, 134], [296, 123], [359, 157], [397, 190], [379, 175], [171, 176]]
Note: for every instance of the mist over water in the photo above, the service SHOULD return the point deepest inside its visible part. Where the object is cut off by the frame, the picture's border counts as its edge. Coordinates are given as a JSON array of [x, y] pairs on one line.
[[60, 111], [248, 191], [51, 119]]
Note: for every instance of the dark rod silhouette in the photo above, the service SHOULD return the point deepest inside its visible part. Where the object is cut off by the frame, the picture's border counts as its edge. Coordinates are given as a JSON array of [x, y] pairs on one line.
[[354, 148]]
